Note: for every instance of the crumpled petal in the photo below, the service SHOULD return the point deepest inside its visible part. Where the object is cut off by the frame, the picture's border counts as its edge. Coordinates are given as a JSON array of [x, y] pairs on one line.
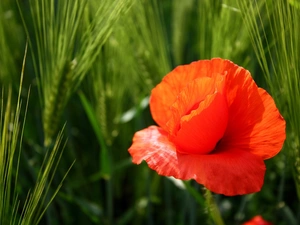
[[268, 135], [229, 172], [153, 146], [201, 130], [166, 92], [254, 123], [190, 97]]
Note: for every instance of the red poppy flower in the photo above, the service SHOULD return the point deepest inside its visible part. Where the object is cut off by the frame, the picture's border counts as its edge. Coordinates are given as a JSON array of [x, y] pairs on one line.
[[257, 220], [215, 126]]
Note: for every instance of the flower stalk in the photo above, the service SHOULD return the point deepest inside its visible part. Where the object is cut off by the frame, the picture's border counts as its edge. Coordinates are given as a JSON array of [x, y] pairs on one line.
[[213, 209]]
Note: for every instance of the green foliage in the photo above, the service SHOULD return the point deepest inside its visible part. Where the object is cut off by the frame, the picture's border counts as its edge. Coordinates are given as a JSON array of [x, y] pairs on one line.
[[10, 43], [91, 66]]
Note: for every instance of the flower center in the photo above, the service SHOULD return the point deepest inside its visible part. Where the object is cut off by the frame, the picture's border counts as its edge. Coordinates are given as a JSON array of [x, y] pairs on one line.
[[194, 107], [203, 127]]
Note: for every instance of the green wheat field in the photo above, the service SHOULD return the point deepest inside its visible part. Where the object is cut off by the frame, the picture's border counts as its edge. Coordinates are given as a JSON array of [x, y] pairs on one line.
[[75, 80]]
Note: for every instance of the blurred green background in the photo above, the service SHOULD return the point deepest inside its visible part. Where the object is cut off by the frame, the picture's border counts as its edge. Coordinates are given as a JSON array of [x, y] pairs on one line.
[[87, 76]]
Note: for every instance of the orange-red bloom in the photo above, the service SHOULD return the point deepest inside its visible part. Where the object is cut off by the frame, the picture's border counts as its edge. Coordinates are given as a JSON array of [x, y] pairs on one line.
[[257, 220], [215, 126]]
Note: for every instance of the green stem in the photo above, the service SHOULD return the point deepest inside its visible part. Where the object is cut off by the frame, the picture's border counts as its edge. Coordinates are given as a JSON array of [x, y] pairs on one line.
[[197, 196], [213, 209]]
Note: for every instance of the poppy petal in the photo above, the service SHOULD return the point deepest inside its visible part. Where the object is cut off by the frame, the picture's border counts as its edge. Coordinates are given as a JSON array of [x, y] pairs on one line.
[[268, 135], [153, 146], [257, 220], [254, 123], [230, 172], [201, 130], [166, 92], [190, 97]]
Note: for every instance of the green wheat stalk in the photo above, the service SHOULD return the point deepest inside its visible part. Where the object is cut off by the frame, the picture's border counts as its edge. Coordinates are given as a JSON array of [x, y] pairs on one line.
[[67, 38], [11, 132]]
